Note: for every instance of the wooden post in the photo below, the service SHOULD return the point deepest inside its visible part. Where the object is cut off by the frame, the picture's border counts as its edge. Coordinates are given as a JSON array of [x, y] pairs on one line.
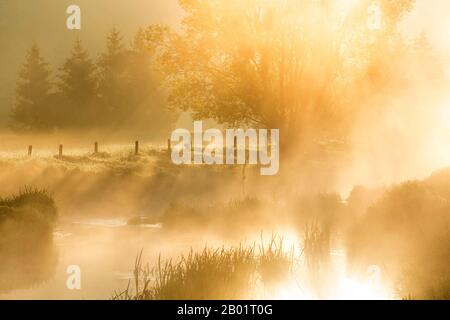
[[169, 146], [60, 150], [30, 150], [136, 148], [235, 149], [95, 147], [244, 178]]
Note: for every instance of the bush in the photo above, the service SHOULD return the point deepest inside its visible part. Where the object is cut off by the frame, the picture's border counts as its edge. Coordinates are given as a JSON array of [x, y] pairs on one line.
[[407, 233]]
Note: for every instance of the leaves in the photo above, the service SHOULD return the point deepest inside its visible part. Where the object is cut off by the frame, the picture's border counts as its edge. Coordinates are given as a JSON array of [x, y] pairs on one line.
[[290, 65]]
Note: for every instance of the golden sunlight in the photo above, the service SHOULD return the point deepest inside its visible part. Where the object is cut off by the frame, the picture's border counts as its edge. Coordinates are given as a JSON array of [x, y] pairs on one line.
[[346, 5], [352, 289], [225, 149]]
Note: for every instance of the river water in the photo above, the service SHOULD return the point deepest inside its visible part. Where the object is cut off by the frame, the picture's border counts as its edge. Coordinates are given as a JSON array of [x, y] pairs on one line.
[[105, 251]]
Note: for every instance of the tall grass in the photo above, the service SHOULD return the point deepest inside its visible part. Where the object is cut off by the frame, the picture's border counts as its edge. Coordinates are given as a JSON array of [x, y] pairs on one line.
[[243, 272], [30, 206], [316, 254]]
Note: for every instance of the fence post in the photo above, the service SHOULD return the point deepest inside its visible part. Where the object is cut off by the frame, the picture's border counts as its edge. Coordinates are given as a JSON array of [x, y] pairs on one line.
[[136, 148], [60, 150], [169, 146], [95, 147], [235, 149], [30, 150]]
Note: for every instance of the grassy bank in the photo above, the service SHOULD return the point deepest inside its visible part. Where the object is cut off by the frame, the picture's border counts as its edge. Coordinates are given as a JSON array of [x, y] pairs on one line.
[[26, 242]]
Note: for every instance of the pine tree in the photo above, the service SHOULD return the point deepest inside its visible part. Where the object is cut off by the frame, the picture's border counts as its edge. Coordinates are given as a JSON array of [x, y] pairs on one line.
[[145, 94], [428, 64], [32, 94], [113, 80], [78, 88], [143, 82]]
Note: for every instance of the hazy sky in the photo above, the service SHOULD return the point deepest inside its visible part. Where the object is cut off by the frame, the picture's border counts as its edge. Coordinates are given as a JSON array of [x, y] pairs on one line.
[[23, 22], [433, 17]]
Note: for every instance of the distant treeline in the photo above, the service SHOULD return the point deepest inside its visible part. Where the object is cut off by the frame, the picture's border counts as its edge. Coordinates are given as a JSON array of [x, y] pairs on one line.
[[301, 67], [118, 89]]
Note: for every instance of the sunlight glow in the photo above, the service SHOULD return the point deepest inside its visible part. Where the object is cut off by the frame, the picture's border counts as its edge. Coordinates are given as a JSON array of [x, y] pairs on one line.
[[346, 5], [291, 291], [346, 289], [352, 289]]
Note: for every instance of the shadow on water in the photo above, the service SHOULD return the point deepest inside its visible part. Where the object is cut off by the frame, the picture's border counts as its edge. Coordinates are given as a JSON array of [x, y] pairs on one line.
[[27, 251]]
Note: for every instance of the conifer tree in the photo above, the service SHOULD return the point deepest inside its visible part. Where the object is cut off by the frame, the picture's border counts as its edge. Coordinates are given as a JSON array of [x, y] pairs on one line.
[[78, 88], [32, 94], [113, 80], [145, 94]]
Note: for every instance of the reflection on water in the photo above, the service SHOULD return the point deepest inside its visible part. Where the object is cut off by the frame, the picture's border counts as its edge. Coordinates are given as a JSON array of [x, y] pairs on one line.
[[28, 266], [116, 223], [27, 252], [104, 250]]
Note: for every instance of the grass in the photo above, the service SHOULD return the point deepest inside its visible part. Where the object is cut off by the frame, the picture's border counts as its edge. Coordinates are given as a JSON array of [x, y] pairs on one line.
[[243, 272], [316, 253], [31, 204], [405, 227], [405, 231]]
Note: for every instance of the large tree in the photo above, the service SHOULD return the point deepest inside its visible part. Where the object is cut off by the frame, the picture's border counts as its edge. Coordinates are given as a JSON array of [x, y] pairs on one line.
[[78, 89], [147, 101], [129, 84], [300, 66], [33, 93], [113, 79]]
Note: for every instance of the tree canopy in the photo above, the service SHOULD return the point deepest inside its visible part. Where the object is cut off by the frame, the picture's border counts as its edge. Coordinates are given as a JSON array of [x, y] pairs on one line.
[[121, 88], [33, 92], [300, 66]]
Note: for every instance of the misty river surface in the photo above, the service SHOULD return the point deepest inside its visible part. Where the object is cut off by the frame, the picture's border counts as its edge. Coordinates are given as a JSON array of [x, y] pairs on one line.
[[105, 251]]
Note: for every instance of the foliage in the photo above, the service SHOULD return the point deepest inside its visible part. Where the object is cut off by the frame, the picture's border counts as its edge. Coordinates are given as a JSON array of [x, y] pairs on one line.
[[33, 92], [406, 232], [77, 87], [300, 66], [121, 87]]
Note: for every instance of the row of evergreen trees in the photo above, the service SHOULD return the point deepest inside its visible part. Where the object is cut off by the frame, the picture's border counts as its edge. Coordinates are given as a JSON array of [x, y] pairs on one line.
[[120, 87]]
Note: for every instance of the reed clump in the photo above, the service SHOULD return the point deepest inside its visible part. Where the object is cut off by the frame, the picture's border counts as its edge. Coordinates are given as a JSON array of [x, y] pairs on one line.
[[241, 272]]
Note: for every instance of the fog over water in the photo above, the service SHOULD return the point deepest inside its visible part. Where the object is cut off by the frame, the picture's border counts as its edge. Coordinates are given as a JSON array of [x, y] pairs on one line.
[[363, 188]]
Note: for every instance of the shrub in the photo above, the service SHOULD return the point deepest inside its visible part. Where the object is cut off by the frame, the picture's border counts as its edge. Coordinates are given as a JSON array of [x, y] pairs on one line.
[[407, 233]]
